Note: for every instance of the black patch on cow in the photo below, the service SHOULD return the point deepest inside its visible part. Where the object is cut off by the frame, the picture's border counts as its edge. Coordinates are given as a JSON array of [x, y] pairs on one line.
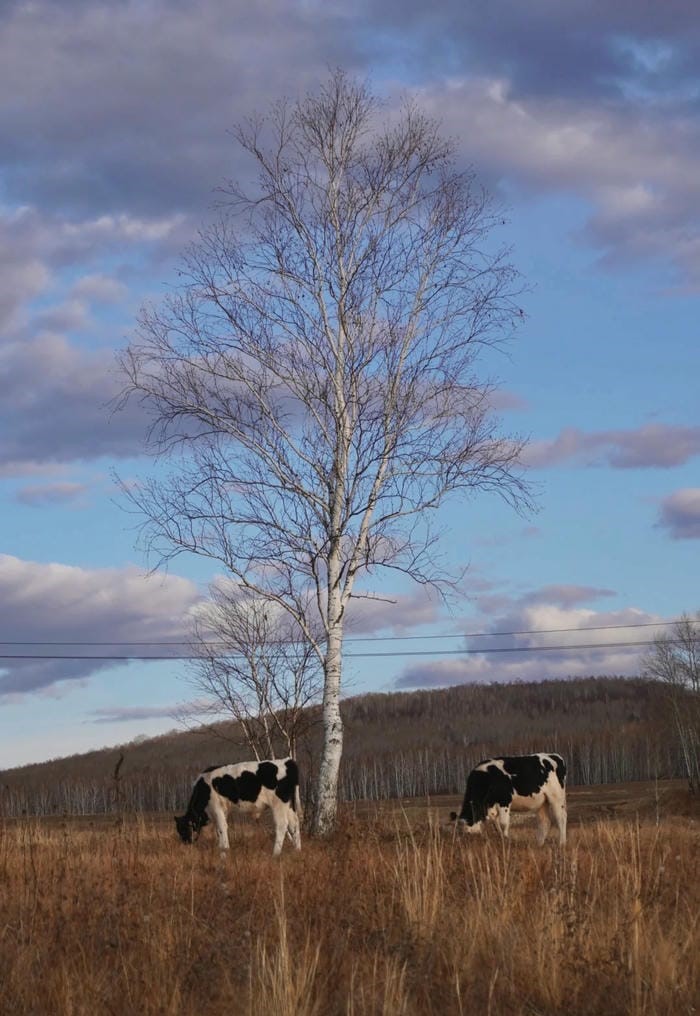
[[245, 787], [195, 818], [249, 786], [288, 783], [267, 771], [500, 787], [528, 772], [227, 786]]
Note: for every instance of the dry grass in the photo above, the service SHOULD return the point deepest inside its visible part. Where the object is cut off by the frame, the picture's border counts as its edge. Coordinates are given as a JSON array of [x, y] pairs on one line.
[[393, 916]]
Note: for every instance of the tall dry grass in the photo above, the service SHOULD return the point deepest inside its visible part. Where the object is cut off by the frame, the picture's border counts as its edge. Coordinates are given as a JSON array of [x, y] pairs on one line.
[[388, 918]]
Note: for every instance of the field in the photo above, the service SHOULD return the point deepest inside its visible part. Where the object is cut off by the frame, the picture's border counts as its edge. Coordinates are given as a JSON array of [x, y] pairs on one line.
[[395, 915]]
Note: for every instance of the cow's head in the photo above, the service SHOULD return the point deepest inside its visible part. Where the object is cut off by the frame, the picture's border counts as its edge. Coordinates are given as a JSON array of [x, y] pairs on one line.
[[185, 828], [467, 820], [189, 826]]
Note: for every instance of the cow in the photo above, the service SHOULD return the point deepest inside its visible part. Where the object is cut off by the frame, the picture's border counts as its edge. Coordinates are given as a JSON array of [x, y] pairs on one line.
[[251, 787], [518, 783]]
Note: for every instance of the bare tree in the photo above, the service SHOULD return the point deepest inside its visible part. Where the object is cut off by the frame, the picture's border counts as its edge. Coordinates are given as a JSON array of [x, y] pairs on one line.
[[254, 663], [675, 660], [316, 370]]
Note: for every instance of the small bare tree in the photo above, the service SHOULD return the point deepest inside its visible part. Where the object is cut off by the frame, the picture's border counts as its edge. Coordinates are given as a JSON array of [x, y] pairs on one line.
[[317, 369], [675, 660], [254, 664]]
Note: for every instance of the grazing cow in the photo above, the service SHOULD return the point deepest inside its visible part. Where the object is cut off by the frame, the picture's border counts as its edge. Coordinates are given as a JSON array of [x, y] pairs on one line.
[[251, 787], [521, 783]]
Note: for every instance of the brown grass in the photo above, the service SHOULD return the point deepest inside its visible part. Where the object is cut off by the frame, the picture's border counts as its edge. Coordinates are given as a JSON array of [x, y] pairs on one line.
[[393, 916]]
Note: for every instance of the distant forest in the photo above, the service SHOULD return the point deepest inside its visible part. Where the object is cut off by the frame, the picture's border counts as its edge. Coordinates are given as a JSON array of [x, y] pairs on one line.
[[402, 744]]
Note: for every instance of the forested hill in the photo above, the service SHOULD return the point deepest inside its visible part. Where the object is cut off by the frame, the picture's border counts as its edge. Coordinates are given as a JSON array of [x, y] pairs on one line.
[[396, 744]]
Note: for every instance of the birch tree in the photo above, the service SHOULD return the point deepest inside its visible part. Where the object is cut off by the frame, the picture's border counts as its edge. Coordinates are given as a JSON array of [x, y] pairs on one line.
[[314, 380]]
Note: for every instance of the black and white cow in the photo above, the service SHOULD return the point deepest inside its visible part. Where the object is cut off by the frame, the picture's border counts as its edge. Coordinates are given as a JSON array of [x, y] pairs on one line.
[[251, 787], [518, 783]]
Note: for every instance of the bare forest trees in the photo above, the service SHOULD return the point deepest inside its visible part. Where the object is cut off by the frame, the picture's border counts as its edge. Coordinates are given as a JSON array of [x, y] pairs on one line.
[[675, 660], [313, 380]]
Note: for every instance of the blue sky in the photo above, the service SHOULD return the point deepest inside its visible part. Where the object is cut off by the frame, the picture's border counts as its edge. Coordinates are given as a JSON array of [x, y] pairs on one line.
[[114, 133]]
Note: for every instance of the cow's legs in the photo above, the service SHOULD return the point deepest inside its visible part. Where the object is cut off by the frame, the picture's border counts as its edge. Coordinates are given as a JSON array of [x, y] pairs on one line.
[[557, 809], [279, 818], [544, 821], [503, 819], [218, 816], [293, 829]]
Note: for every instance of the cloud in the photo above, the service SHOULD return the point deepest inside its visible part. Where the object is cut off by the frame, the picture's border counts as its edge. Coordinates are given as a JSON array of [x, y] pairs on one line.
[[55, 394], [680, 514], [584, 48], [566, 596], [127, 714], [556, 619], [579, 98], [99, 288], [637, 167], [149, 132], [57, 406], [50, 493], [40, 602], [71, 315], [585, 98], [652, 446], [115, 161], [36, 246]]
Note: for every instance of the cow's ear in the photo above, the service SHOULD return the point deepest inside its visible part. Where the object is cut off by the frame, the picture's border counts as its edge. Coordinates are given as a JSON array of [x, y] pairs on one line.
[[453, 816]]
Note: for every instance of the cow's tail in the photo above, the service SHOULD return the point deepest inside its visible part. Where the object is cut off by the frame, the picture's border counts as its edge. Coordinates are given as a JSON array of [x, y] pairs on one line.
[[561, 770], [295, 798]]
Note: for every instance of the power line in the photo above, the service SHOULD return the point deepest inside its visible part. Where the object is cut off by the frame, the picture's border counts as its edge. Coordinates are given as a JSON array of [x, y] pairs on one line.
[[354, 656], [360, 638]]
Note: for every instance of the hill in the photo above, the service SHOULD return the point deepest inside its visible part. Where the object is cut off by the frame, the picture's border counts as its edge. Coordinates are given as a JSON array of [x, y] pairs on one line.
[[399, 744]]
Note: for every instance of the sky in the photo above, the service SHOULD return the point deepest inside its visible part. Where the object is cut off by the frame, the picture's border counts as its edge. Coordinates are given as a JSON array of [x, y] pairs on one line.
[[115, 133]]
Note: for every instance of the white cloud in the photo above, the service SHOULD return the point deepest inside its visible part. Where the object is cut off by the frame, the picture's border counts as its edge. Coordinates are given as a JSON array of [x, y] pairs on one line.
[[57, 405], [99, 288], [653, 445], [637, 168], [50, 493], [43, 602], [680, 514], [559, 626], [595, 111]]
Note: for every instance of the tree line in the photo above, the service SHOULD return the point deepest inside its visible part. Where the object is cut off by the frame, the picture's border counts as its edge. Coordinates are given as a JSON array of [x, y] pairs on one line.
[[402, 744]]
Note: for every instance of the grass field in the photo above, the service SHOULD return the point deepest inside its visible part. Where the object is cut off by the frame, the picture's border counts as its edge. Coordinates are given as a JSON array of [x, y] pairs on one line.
[[394, 915]]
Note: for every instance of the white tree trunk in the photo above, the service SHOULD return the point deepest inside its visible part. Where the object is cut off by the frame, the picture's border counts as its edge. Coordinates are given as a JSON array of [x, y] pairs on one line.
[[327, 788]]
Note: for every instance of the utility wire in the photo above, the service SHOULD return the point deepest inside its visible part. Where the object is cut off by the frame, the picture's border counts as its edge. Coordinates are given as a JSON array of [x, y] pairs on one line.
[[354, 656], [366, 638]]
